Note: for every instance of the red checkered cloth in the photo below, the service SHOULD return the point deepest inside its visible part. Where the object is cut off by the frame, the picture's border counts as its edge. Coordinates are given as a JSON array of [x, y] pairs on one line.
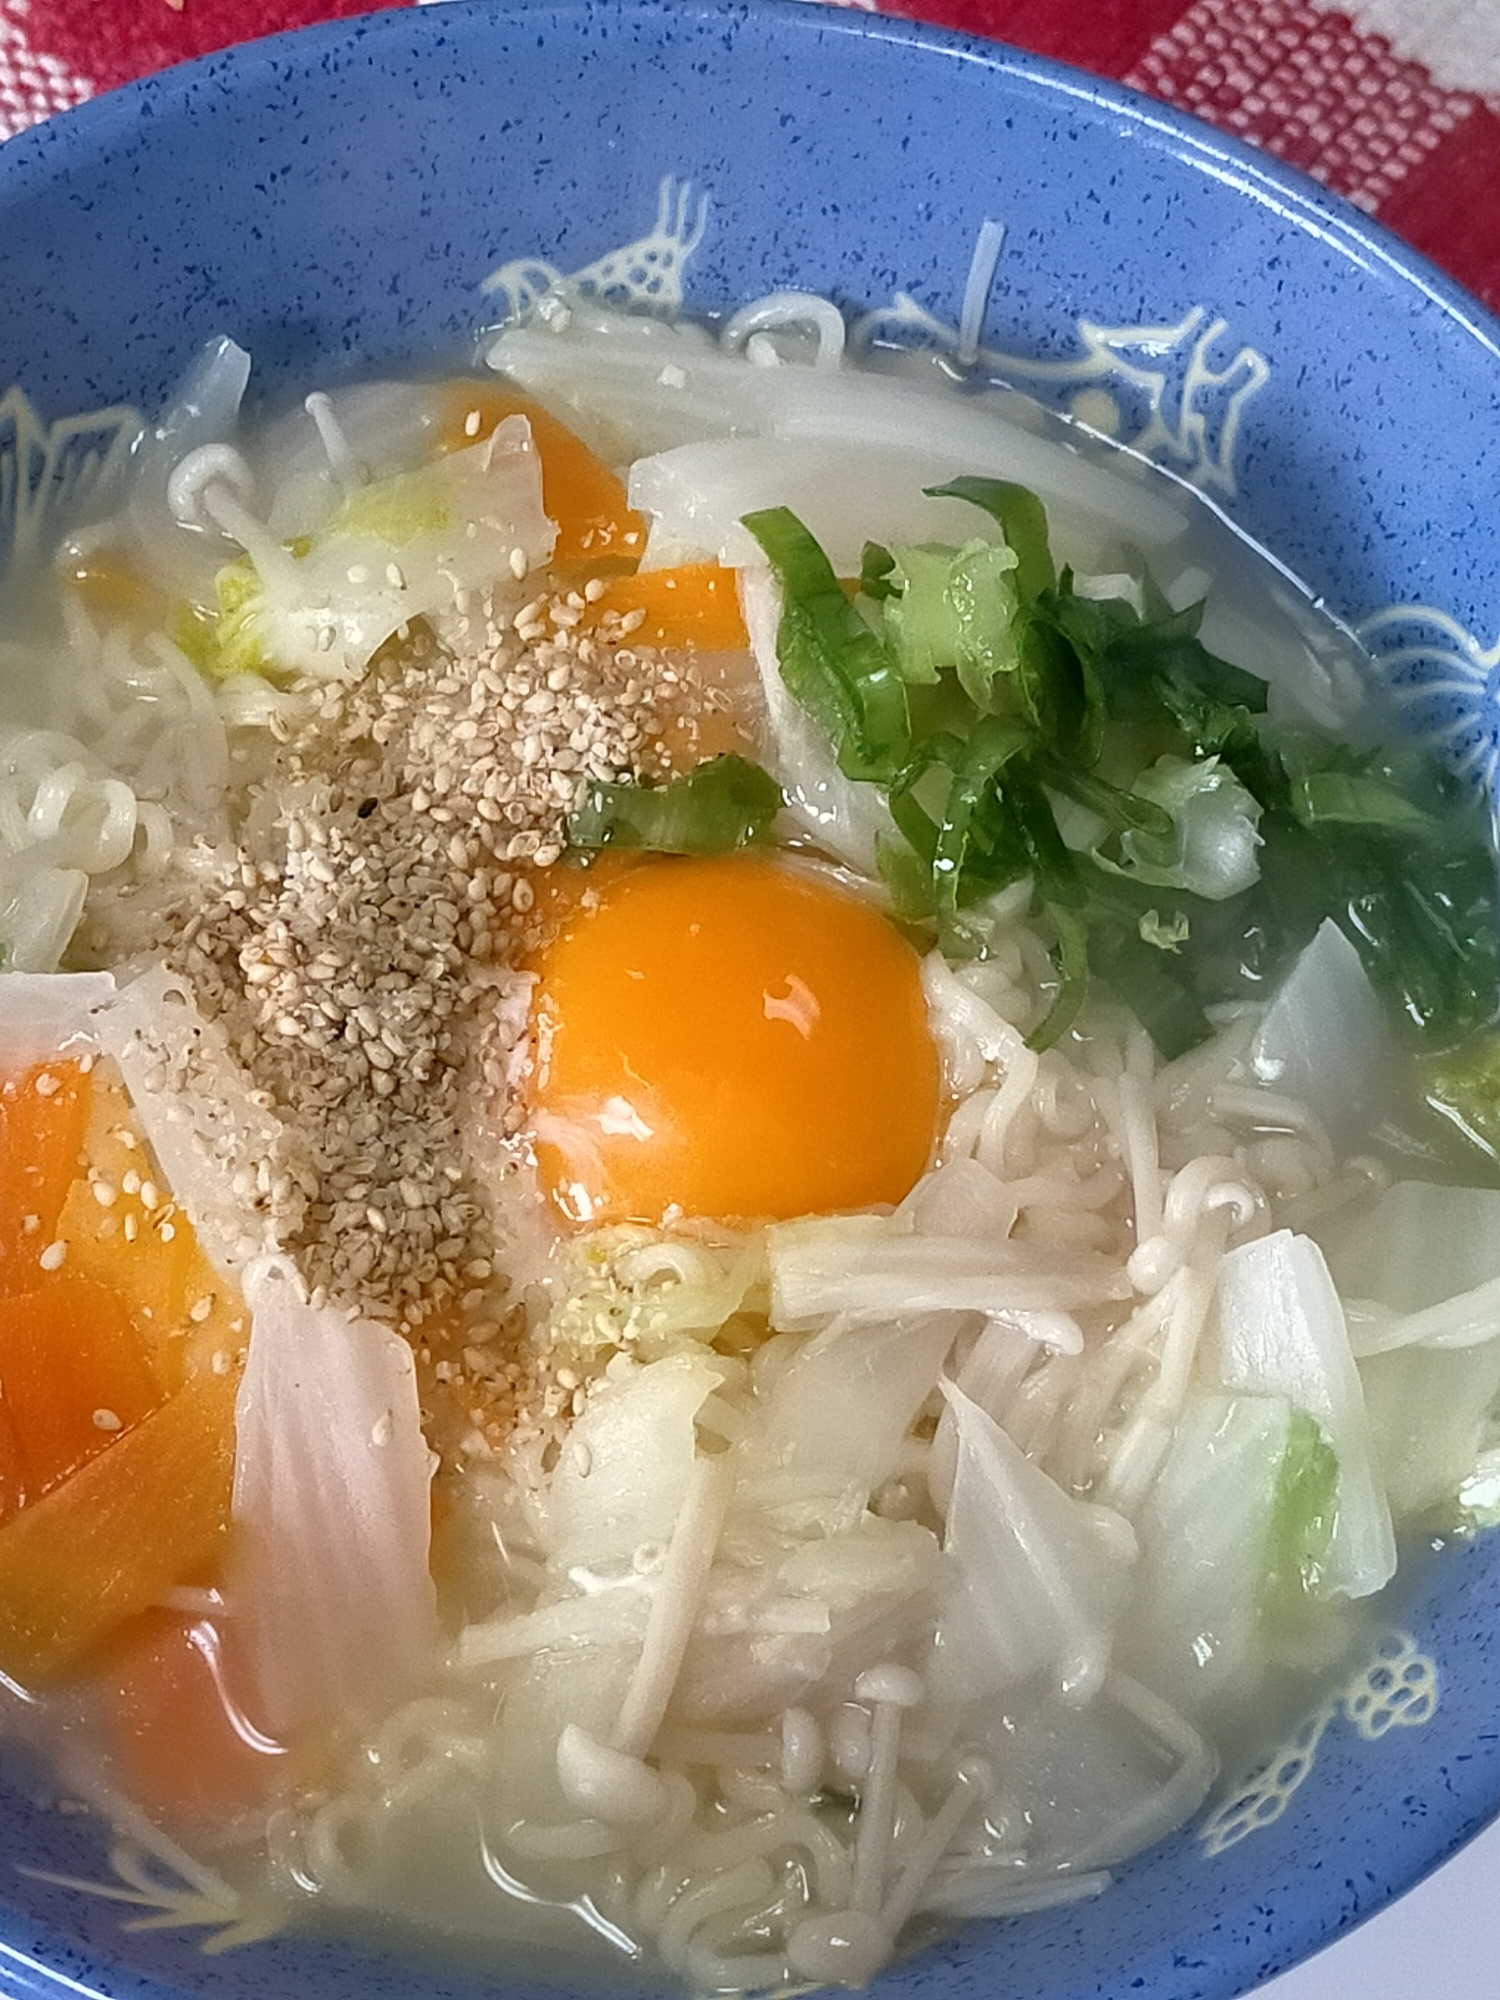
[[1394, 103]]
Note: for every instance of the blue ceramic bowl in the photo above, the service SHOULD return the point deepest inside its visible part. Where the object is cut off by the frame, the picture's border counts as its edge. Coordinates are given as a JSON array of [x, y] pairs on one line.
[[335, 198]]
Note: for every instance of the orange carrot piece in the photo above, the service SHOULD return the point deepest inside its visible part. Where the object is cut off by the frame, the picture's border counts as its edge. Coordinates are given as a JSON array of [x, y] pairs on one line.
[[138, 1243], [694, 605], [149, 1513], [596, 527], [12, 1488], [73, 1380], [42, 1113], [177, 1733]]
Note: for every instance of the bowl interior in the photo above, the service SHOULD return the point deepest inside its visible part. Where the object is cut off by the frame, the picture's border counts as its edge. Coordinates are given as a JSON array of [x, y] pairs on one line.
[[335, 199]]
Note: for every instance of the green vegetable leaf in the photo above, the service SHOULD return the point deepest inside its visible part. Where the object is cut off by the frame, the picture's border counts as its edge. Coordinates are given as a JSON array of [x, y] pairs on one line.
[[723, 804], [1062, 695], [1227, 730], [975, 825], [1303, 1513], [1210, 850], [1463, 1086], [1156, 984], [953, 609], [998, 691], [1353, 798], [229, 640], [1073, 979], [1122, 810], [830, 659], [875, 566], [908, 880]]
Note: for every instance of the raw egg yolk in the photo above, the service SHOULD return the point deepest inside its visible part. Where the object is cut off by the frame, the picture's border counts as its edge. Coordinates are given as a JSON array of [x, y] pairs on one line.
[[729, 1038]]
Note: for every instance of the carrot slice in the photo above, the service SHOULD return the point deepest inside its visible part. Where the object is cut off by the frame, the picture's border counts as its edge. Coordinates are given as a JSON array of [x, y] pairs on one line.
[[184, 1747], [126, 1234], [72, 1379], [694, 605], [596, 526], [12, 1486], [42, 1113], [149, 1513]]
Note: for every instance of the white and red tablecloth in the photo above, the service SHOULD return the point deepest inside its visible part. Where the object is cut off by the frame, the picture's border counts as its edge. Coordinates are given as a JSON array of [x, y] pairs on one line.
[[1394, 103]]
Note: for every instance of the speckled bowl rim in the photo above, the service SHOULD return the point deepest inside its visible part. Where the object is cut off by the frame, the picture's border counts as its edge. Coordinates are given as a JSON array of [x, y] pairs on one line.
[[44, 1965]]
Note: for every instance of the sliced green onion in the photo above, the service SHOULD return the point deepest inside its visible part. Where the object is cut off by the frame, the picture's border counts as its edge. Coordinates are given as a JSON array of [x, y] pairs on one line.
[[723, 804], [1022, 520], [830, 659]]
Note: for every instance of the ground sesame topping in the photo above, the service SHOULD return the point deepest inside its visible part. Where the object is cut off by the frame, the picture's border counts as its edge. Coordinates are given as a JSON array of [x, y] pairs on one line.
[[360, 942]]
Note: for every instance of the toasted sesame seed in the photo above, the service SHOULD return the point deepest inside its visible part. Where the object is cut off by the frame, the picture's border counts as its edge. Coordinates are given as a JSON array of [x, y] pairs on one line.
[[350, 956]]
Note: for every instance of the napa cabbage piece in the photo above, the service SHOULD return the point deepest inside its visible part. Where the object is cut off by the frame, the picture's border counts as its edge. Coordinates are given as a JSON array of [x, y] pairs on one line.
[[1040, 1579], [686, 1582], [580, 1682], [396, 549], [1419, 1268], [1232, 1535], [1419, 1264], [631, 1517], [1322, 1038], [1280, 1331], [839, 1411], [735, 438], [49, 1013], [877, 1266], [205, 410], [1431, 1421], [342, 439], [153, 1027], [629, 1287], [331, 1510], [802, 1602], [1210, 849], [1102, 1781], [620, 1485]]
